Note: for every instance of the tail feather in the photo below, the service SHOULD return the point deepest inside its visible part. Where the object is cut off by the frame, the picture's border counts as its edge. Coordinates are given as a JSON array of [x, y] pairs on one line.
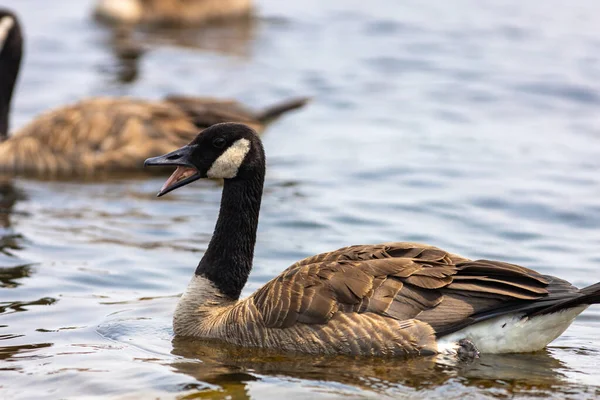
[[558, 300], [587, 296], [270, 113], [592, 290]]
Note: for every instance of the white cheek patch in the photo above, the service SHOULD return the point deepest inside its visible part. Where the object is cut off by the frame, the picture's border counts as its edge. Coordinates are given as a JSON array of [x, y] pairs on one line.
[[6, 24], [228, 163]]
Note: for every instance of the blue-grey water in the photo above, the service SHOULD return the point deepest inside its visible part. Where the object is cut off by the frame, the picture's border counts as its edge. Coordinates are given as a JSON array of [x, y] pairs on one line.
[[470, 125]]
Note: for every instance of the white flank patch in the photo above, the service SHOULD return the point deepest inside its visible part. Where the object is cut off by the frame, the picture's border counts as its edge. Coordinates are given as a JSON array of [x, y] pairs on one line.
[[120, 10], [513, 334], [6, 24], [228, 163]]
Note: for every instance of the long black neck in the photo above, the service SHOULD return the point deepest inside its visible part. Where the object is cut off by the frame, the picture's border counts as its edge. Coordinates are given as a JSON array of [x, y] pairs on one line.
[[228, 259], [10, 61]]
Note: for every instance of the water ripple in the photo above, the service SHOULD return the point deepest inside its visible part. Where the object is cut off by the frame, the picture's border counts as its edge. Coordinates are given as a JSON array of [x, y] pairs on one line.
[[467, 125]]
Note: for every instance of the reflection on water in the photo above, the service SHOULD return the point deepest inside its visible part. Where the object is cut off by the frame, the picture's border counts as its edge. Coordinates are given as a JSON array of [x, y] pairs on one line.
[[233, 38], [9, 276], [9, 242], [9, 195], [127, 53], [471, 126], [228, 366], [12, 353], [128, 44], [19, 306]]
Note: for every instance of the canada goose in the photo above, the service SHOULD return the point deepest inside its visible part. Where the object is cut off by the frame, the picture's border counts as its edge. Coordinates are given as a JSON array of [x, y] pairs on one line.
[[384, 299], [171, 12], [105, 134]]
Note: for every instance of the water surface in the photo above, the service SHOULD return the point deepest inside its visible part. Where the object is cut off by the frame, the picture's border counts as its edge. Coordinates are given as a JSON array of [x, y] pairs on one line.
[[470, 125]]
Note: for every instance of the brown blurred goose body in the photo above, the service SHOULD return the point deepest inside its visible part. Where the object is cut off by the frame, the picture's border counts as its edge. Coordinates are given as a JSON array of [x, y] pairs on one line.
[[384, 299], [106, 134], [171, 12], [117, 134]]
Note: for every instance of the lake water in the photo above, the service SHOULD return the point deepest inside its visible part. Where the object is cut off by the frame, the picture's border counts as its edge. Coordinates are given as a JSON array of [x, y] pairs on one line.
[[470, 125]]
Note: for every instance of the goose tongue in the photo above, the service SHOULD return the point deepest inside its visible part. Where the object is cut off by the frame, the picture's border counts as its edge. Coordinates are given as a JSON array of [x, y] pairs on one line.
[[180, 174]]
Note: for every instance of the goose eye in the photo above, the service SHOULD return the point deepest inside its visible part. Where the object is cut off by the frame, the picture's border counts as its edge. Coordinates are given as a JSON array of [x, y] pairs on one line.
[[219, 143]]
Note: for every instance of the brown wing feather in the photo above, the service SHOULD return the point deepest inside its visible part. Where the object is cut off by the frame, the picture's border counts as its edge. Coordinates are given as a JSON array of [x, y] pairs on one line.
[[396, 280]]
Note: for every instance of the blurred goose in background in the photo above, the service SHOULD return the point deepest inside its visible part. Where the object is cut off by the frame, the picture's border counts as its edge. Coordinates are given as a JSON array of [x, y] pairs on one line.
[[105, 134], [384, 299], [171, 12]]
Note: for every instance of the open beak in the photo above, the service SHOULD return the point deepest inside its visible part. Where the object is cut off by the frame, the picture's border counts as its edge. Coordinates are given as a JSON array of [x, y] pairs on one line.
[[185, 172]]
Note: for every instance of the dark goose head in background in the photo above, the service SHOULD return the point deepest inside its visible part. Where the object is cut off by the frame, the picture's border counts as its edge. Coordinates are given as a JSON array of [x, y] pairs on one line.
[[11, 49]]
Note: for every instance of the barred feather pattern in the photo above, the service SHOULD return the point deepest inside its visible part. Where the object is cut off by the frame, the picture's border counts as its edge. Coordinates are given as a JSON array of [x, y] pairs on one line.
[[99, 135], [386, 299]]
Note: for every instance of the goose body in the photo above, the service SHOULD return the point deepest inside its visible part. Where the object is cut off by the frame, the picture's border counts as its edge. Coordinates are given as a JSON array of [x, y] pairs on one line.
[[106, 134], [385, 299], [171, 12]]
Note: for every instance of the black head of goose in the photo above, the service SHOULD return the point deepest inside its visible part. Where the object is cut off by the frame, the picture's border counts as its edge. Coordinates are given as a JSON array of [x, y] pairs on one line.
[[104, 134], [385, 299]]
